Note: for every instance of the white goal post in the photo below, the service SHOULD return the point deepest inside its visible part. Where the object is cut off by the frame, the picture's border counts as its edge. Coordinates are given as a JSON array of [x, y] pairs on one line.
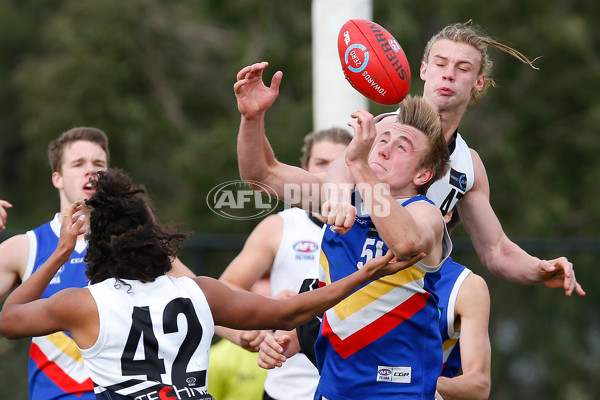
[[333, 97]]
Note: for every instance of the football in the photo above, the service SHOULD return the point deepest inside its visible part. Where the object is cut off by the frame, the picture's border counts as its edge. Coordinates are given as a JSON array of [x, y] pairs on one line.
[[373, 61]]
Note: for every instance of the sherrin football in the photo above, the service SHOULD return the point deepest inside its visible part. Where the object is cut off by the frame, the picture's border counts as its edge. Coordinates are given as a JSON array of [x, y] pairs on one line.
[[373, 61]]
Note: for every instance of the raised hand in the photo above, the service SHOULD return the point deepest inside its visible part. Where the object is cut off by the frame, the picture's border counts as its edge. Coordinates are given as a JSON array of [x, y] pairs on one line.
[[3, 215], [253, 96], [364, 136]]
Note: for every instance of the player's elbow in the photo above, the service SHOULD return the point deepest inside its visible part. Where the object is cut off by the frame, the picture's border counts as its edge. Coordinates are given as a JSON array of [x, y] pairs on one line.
[[405, 248], [473, 385], [251, 172], [483, 386], [294, 320], [10, 335], [8, 327], [291, 323], [253, 183], [259, 178]]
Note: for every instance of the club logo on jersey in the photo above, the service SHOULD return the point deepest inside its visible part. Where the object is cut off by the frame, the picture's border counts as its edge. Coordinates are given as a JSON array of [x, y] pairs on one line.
[[305, 250], [458, 179], [394, 374], [235, 200]]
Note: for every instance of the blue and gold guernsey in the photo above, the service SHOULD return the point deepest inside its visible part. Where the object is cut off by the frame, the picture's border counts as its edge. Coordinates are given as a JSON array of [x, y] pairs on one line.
[[56, 368], [383, 340], [452, 276]]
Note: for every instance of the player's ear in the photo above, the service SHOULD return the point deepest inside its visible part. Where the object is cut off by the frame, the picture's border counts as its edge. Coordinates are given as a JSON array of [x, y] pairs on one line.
[[423, 70], [423, 176], [57, 180], [479, 83]]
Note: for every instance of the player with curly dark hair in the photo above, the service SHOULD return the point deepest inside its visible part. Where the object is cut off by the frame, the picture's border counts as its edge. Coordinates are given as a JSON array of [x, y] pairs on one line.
[[124, 233]]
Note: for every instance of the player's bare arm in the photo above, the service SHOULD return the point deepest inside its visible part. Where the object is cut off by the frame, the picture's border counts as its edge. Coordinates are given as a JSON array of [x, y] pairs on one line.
[[14, 253], [247, 310], [472, 311], [22, 315], [498, 253], [256, 159]]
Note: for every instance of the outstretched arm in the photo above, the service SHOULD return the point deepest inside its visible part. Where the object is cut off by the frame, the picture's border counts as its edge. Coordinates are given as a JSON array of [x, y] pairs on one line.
[[256, 159], [246, 310], [498, 253]]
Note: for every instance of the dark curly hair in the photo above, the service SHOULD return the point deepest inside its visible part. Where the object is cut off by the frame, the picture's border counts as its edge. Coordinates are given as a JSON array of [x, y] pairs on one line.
[[125, 242]]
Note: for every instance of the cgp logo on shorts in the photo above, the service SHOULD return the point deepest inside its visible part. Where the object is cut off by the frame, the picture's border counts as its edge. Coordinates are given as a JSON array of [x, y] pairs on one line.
[[235, 200]]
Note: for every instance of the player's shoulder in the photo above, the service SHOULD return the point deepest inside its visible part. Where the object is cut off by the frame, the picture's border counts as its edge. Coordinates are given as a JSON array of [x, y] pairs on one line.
[[73, 302], [268, 226], [18, 240], [473, 300], [273, 219], [477, 161], [15, 250], [475, 286], [424, 206], [480, 179], [74, 294]]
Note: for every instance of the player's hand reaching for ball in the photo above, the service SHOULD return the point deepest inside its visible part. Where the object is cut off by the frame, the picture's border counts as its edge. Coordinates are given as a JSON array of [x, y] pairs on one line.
[[364, 135], [253, 96]]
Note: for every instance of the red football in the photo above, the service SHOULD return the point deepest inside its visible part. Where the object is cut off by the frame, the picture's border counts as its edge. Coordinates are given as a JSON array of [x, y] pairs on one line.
[[373, 61]]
